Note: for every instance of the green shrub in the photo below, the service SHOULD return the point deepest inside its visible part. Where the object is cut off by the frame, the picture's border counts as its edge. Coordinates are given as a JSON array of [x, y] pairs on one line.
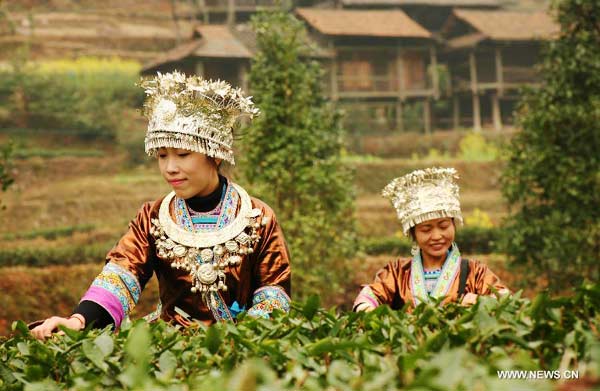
[[52, 153], [87, 95], [474, 147], [293, 159], [63, 255], [433, 348], [48, 233], [552, 177]]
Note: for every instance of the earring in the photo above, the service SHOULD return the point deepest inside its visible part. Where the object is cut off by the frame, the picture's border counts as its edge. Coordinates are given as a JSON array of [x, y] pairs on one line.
[[414, 250]]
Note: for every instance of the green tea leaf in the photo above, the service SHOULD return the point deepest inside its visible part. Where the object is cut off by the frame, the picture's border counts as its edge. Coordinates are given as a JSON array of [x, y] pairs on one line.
[[311, 306], [213, 339]]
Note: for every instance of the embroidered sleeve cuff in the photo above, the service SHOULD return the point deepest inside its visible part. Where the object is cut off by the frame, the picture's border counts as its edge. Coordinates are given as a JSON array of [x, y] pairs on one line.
[[268, 298], [117, 290]]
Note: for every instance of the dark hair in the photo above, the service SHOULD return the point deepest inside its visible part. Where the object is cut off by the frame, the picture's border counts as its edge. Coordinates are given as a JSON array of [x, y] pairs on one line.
[[411, 233]]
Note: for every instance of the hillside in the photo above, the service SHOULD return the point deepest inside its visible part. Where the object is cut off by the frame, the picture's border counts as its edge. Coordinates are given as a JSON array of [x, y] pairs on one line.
[[132, 29]]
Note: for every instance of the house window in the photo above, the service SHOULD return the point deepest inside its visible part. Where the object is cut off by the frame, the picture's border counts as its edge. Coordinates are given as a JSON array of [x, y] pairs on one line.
[[366, 70], [356, 75], [414, 71]]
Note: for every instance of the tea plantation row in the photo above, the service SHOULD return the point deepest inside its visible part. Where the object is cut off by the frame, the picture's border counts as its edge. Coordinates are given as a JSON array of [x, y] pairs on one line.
[[433, 348]]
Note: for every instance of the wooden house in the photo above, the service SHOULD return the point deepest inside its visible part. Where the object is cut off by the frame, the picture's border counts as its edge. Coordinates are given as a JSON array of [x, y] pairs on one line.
[[381, 66], [490, 55], [214, 52]]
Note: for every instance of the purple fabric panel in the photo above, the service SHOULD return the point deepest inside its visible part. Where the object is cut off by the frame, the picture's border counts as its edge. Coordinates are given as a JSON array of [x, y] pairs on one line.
[[108, 301]]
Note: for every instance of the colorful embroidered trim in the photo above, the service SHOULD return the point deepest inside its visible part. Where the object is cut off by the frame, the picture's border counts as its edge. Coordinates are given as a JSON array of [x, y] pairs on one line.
[[206, 221], [228, 209], [268, 298], [217, 305], [154, 315], [448, 274], [116, 289], [217, 219], [366, 296], [431, 278]]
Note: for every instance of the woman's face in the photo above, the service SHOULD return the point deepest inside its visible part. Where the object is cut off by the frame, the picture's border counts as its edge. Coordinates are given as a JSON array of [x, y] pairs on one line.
[[435, 237], [189, 173]]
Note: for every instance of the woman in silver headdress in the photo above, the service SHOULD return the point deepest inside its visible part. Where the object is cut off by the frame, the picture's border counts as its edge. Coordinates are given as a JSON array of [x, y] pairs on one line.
[[215, 250], [428, 208]]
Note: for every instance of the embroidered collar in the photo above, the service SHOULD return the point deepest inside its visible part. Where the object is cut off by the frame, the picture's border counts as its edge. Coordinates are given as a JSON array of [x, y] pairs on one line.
[[223, 214], [207, 239], [449, 272]]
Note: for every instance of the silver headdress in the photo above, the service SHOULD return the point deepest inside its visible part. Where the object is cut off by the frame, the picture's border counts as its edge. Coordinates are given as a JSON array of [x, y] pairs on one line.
[[424, 195], [194, 114]]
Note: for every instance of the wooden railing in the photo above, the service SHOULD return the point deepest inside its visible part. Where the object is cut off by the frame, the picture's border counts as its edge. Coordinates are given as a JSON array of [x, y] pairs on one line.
[[523, 75], [384, 85]]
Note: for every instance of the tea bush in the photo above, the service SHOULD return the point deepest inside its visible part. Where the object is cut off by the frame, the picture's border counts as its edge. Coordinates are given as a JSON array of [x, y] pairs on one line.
[[48, 233], [60, 255], [437, 348]]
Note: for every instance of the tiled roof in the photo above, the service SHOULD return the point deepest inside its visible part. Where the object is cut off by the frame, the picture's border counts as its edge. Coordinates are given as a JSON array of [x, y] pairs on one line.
[[208, 41], [372, 23], [173, 55], [509, 25], [218, 41]]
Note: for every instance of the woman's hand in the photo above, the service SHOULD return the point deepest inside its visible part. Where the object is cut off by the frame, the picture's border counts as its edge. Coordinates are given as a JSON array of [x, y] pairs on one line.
[[43, 331], [469, 299], [364, 307]]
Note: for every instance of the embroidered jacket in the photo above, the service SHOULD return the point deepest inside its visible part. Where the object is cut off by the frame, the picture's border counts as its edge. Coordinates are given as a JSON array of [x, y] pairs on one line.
[[393, 285], [259, 283]]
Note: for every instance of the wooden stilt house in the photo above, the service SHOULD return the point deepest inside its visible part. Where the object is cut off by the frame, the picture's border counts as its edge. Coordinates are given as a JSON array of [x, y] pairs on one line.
[[381, 69], [490, 56]]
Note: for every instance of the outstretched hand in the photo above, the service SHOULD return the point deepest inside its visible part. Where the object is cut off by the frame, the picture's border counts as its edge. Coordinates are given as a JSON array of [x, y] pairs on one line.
[[469, 299], [50, 325]]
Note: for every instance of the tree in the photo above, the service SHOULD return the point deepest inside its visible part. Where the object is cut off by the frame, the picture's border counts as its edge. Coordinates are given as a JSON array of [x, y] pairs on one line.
[[552, 178], [292, 156]]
